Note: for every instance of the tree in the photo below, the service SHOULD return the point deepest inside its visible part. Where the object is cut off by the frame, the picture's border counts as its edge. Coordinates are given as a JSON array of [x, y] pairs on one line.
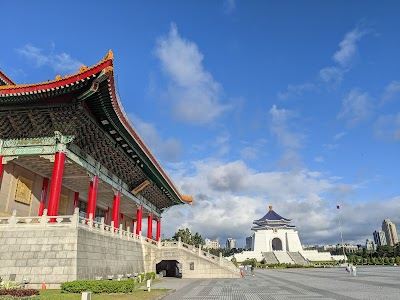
[[197, 239], [184, 234], [187, 238]]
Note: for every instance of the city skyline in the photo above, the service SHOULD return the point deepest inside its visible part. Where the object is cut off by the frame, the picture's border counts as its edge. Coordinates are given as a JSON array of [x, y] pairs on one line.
[[244, 104]]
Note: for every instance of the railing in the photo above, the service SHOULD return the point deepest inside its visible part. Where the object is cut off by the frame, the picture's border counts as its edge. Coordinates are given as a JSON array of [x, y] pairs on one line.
[[76, 221]]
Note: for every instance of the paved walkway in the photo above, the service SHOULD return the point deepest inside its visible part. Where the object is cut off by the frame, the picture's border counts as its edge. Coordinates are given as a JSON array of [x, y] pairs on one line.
[[330, 283]]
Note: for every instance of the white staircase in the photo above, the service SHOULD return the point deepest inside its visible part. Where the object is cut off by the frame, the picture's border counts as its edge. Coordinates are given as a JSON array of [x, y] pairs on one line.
[[298, 258], [283, 257], [270, 258]]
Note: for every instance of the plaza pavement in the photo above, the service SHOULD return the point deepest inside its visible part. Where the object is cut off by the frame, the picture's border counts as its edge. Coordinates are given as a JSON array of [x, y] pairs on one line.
[[371, 282]]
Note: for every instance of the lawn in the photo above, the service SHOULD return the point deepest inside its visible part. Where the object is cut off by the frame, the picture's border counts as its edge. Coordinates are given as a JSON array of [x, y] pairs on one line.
[[139, 294]]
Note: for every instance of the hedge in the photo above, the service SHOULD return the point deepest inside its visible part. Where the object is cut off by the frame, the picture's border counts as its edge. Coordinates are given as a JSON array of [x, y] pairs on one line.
[[99, 286], [19, 293]]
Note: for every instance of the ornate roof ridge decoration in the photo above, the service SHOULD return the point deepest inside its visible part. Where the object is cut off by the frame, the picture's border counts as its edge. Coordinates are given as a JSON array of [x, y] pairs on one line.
[[5, 79], [83, 73], [129, 127], [187, 199]]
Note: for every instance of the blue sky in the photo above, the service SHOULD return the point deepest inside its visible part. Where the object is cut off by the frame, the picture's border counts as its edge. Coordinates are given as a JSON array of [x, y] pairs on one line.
[[246, 104]]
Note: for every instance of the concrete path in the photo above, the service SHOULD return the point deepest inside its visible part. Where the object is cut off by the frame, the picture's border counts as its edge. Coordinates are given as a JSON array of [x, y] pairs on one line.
[[330, 283]]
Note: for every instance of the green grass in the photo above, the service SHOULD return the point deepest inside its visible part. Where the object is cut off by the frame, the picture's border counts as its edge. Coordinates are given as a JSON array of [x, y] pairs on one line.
[[139, 294]]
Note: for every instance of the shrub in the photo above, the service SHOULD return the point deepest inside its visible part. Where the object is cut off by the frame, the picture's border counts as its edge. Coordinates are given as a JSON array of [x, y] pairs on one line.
[[99, 286], [150, 275], [141, 277], [10, 285], [19, 293]]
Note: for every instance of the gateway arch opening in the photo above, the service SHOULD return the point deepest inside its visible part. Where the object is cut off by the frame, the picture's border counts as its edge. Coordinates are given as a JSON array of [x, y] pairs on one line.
[[276, 244], [169, 268]]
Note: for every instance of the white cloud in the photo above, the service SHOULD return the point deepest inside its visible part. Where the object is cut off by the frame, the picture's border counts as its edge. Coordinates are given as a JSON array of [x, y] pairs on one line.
[[331, 75], [168, 150], [280, 125], [230, 196], [391, 92], [249, 153], [387, 127], [319, 159], [356, 107], [194, 94], [339, 135], [294, 91], [59, 62], [229, 6], [348, 47]]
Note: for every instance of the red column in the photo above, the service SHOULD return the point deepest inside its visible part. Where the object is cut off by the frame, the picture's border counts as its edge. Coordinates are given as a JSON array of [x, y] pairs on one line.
[[43, 196], [139, 219], [106, 217], [158, 230], [56, 183], [1, 168], [76, 199], [115, 209], [94, 184], [150, 225]]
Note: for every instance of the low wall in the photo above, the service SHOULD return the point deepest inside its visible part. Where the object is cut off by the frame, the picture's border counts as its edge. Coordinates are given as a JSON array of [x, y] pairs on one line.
[[39, 255], [74, 248]]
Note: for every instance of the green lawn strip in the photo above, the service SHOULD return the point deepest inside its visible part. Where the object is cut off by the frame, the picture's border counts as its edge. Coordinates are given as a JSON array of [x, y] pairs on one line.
[[139, 294]]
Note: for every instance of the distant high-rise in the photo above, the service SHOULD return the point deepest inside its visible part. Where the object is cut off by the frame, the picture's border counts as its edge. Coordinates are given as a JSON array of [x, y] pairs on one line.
[[379, 238], [230, 243], [211, 244], [249, 242], [370, 244], [390, 232]]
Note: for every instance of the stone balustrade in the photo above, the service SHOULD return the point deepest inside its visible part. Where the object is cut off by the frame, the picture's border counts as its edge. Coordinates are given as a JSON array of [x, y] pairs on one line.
[[76, 221]]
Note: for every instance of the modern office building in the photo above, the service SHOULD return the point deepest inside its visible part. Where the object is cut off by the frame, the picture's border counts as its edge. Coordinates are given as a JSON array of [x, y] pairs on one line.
[[249, 242], [230, 243], [379, 238], [389, 229]]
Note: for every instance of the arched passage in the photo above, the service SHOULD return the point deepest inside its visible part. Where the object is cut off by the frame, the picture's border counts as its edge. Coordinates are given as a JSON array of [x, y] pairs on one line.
[[276, 244], [169, 268]]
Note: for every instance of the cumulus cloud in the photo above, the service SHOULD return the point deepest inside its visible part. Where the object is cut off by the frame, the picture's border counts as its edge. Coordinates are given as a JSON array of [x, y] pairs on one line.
[[331, 75], [319, 159], [168, 150], [348, 46], [339, 135], [230, 196], [294, 91], [387, 127], [356, 107], [391, 92], [194, 94], [59, 62], [229, 6], [280, 126]]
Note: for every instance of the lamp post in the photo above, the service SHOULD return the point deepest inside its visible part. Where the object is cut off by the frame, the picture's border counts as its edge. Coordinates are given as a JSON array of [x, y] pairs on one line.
[[341, 234]]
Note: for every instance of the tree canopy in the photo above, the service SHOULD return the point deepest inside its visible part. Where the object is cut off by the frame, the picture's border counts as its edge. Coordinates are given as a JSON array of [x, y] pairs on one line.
[[187, 237]]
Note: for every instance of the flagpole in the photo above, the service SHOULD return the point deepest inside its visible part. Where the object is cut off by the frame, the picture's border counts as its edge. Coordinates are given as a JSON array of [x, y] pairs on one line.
[[341, 235]]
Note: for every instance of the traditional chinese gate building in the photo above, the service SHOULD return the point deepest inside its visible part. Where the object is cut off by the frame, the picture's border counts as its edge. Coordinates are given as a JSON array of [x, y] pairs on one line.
[[68, 143], [68, 151]]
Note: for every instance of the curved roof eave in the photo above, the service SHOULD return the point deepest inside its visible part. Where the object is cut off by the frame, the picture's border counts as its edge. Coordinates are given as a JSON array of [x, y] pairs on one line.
[[84, 73]]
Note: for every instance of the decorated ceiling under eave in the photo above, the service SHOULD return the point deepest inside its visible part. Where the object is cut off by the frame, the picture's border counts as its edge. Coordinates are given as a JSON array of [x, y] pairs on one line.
[[85, 105]]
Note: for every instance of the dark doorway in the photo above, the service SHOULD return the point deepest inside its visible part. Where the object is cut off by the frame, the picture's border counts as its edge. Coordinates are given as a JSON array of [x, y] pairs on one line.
[[169, 268], [276, 244]]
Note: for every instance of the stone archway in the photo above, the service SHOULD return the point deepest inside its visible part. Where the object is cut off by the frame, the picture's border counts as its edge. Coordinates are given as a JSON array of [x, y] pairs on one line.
[[276, 244], [169, 268]]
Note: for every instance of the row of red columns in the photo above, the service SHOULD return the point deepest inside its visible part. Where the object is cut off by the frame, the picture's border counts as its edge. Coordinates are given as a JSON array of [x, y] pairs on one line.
[[55, 191]]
